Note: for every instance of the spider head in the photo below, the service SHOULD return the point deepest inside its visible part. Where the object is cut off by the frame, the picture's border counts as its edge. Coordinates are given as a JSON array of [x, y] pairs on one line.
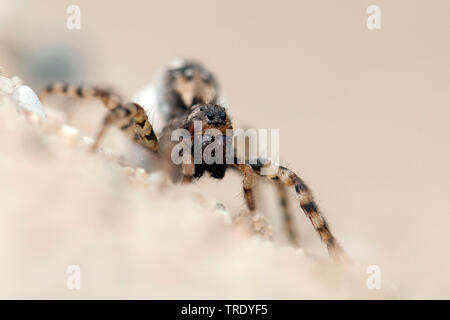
[[192, 83]]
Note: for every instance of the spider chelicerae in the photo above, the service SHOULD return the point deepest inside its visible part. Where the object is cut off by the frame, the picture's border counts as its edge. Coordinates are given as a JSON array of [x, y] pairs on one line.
[[186, 92]]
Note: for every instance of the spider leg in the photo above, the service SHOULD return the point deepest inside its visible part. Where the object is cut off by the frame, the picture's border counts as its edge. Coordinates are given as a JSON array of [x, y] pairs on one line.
[[131, 117], [142, 127], [188, 171], [287, 214], [289, 178], [108, 98], [247, 184]]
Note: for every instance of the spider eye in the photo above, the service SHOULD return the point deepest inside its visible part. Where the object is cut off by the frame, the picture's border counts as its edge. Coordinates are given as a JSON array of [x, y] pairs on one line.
[[202, 108]]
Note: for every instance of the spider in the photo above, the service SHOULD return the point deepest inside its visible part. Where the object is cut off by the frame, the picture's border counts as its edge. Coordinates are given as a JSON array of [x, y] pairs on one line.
[[186, 92]]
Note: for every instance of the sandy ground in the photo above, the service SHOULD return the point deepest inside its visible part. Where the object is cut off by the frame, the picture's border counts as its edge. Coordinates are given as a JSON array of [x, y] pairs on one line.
[[63, 206], [363, 118]]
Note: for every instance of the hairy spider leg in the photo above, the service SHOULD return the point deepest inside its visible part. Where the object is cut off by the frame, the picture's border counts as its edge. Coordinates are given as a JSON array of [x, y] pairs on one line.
[[130, 118], [308, 205]]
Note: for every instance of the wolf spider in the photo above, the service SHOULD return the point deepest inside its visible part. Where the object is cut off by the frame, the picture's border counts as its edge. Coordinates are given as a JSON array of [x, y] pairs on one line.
[[187, 92]]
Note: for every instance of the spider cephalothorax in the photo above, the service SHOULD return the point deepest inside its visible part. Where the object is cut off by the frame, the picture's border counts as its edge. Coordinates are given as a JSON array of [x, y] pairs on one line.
[[189, 103]]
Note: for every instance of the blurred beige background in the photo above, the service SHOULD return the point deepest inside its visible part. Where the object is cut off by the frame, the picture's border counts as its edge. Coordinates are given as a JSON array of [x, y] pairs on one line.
[[363, 115]]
